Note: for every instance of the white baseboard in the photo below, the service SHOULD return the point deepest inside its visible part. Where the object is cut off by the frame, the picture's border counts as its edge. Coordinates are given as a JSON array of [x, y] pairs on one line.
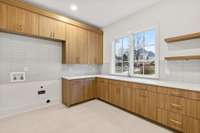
[[28, 108]]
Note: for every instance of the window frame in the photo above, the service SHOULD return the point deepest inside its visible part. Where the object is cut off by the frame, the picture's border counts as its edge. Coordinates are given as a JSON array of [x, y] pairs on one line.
[[113, 56], [131, 53]]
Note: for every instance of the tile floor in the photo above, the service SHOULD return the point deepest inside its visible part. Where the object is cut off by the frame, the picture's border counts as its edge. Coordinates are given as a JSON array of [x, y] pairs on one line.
[[91, 117]]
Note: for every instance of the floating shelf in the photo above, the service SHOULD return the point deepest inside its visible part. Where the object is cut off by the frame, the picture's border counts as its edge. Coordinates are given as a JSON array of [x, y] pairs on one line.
[[183, 37], [190, 57]]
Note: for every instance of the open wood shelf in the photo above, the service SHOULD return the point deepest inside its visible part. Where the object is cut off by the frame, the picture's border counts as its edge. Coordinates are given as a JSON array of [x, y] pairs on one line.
[[190, 57], [183, 37]]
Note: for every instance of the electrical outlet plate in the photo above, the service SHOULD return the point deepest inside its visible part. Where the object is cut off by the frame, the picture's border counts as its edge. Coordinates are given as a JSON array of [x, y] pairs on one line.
[[17, 76]]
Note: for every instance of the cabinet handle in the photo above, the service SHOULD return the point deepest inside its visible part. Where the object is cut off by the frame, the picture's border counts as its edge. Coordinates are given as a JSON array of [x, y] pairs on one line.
[[176, 122], [19, 27], [77, 59], [95, 60], [53, 35], [177, 106]]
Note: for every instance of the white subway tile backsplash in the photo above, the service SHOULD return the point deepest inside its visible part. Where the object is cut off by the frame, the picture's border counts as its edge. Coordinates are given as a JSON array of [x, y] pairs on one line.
[[42, 57], [78, 70]]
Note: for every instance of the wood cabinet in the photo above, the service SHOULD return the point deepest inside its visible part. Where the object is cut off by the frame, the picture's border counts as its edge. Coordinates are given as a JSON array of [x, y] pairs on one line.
[[82, 44], [51, 28], [22, 21], [77, 43], [128, 97], [103, 90], [116, 91], [179, 109], [191, 125], [3, 16], [173, 108], [146, 102], [94, 48], [76, 91]]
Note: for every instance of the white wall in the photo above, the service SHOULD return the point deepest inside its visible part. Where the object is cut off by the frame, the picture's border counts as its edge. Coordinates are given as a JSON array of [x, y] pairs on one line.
[[174, 17], [22, 97], [43, 60]]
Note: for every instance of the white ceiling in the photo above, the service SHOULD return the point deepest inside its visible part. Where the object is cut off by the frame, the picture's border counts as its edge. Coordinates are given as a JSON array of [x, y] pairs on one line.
[[96, 12]]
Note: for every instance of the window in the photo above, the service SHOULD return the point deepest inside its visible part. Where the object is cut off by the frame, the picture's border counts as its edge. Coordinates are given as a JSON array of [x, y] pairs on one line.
[[143, 61], [121, 55]]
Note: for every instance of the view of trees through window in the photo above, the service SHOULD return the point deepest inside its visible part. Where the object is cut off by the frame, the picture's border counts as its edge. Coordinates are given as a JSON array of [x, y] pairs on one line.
[[122, 55], [143, 50]]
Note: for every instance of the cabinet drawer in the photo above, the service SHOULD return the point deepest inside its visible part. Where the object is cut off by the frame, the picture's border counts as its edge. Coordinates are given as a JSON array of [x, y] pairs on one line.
[[105, 81], [139, 86], [151, 88], [178, 93], [176, 104], [163, 90], [175, 121], [194, 95]]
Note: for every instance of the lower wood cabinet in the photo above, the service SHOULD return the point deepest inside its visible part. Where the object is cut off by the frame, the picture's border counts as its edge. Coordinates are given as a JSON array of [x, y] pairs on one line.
[[146, 102], [103, 91], [3, 16], [76, 91], [175, 109]]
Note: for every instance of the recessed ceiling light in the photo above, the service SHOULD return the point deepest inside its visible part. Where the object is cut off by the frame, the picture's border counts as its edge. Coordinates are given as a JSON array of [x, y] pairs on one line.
[[73, 7]]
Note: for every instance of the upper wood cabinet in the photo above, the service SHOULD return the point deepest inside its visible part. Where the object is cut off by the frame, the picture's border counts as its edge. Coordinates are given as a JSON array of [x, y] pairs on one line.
[[92, 47], [22, 21], [95, 47], [82, 46], [77, 44], [51, 28], [3, 16]]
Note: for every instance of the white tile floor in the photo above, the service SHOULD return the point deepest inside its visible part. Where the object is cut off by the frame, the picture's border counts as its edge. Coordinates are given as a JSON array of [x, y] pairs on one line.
[[91, 117]]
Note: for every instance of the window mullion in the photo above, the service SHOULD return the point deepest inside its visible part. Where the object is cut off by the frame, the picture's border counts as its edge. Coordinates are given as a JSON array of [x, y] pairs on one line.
[[131, 54]]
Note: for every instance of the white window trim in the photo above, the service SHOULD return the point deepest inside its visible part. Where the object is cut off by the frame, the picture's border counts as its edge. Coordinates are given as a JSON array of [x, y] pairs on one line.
[[157, 55], [113, 57]]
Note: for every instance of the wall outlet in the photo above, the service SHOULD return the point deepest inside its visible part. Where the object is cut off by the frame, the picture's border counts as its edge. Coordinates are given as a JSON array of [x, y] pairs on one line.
[[17, 76]]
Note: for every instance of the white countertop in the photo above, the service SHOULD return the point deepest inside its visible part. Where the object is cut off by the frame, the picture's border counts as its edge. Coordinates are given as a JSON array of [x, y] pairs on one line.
[[179, 85]]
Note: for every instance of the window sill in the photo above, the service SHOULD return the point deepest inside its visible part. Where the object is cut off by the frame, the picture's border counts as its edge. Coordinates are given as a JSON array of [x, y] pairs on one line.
[[156, 77]]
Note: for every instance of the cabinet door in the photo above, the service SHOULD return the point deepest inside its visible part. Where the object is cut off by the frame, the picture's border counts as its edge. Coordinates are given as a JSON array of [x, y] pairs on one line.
[[127, 95], [100, 49], [193, 108], [22, 21], [102, 89], [191, 125], [3, 16], [92, 48], [116, 93], [141, 102], [89, 90], [46, 27], [146, 103], [77, 41], [77, 91], [59, 30], [152, 104]]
